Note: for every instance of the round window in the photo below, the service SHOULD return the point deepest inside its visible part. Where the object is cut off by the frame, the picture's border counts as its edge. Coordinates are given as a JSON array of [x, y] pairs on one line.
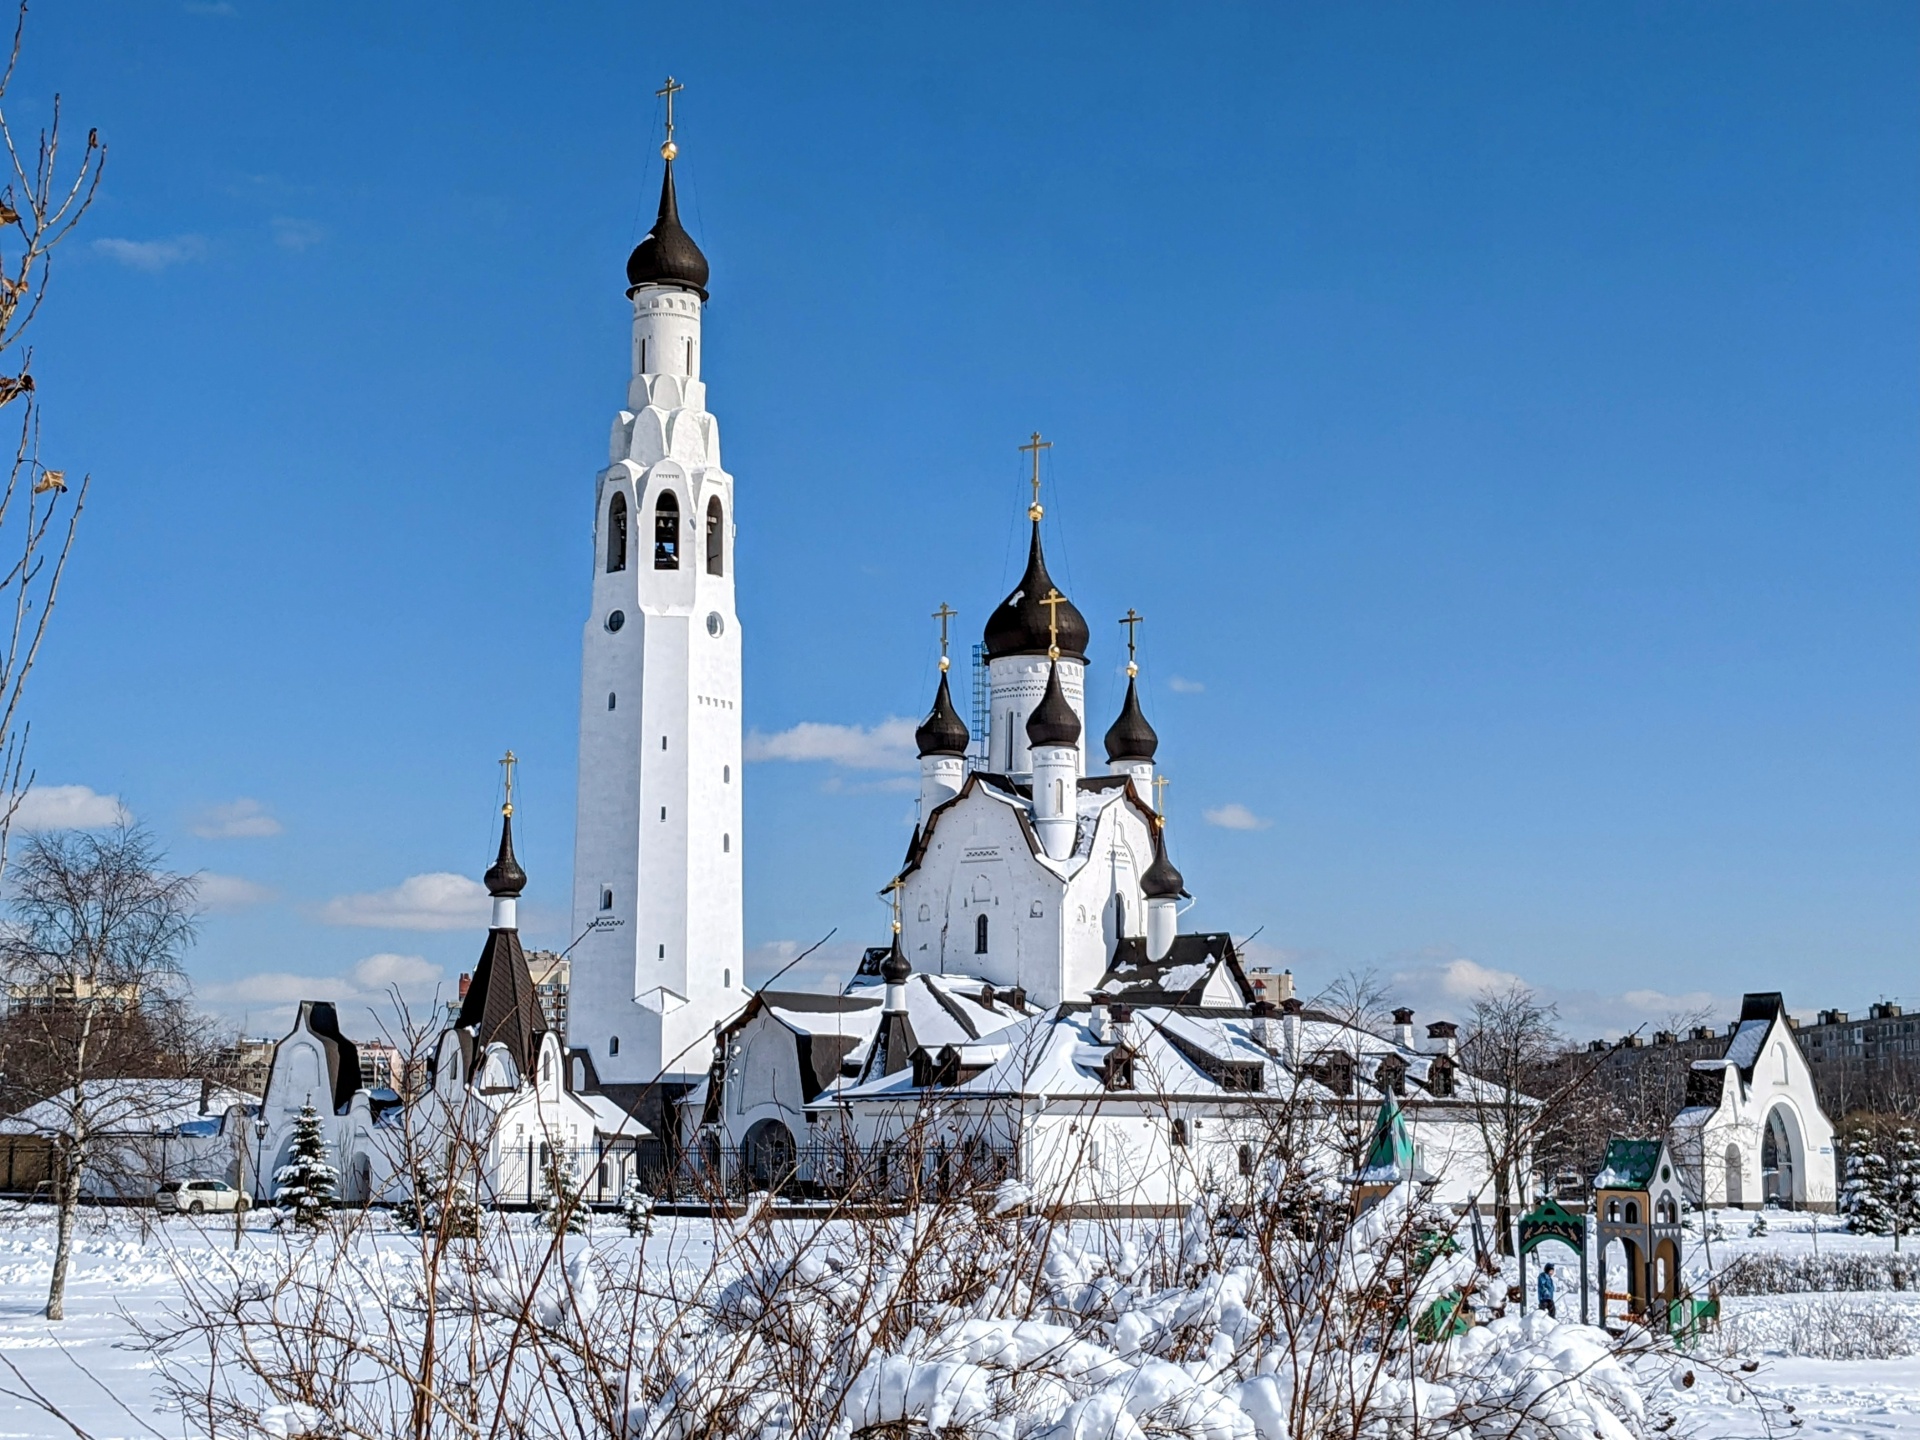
[[714, 623], [616, 619]]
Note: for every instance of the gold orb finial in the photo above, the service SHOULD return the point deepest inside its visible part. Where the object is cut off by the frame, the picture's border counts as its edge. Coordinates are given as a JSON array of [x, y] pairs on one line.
[[669, 150]]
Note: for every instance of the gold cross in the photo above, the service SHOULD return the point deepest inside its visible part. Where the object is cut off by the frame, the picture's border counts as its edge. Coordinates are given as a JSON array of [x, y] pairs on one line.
[[1132, 622], [670, 89], [945, 613], [507, 762], [1160, 783], [896, 887], [1035, 446], [1053, 601]]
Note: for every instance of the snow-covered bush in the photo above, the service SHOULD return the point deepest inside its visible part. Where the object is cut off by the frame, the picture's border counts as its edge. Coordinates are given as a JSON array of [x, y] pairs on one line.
[[304, 1186], [1765, 1272], [1827, 1328]]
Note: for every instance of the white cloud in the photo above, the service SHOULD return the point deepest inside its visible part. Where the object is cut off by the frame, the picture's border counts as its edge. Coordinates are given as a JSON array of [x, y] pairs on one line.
[[1180, 685], [886, 746], [368, 980], [222, 894], [152, 256], [241, 819], [277, 987], [409, 972], [437, 901], [1234, 816], [296, 235], [68, 807]]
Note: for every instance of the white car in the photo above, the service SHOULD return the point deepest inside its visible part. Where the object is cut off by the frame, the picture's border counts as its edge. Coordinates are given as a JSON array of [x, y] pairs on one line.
[[199, 1197]]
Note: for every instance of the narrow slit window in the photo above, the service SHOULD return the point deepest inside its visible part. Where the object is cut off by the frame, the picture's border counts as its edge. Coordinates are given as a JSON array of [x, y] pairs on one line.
[[689, 355], [716, 538], [610, 699], [663, 952], [726, 844], [617, 533], [666, 532], [643, 357], [613, 1045], [606, 897], [980, 935]]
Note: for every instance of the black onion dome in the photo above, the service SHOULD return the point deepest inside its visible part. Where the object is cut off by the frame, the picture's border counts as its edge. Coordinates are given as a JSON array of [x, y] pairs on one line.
[[505, 878], [1053, 721], [1131, 737], [943, 732], [668, 255], [1162, 881], [1019, 626], [894, 969]]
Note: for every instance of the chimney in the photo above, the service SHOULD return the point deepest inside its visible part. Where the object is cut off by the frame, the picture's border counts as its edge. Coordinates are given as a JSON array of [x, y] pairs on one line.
[[1664, 1037], [1097, 1021], [1290, 1029], [466, 982], [1701, 1032], [1262, 1026], [1403, 1028], [1597, 1047], [1120, 1022], [1443, 1038]]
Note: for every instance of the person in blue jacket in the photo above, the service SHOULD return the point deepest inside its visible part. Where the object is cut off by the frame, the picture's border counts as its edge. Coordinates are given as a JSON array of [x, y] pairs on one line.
[[1545, 1289]]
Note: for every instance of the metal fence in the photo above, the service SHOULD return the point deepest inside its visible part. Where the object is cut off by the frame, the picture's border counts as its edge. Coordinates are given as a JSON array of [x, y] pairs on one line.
[[829, 1171]]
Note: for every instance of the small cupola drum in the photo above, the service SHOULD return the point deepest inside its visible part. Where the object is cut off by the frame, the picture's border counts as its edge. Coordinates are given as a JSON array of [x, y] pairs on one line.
[[942, 740], [1163, 887], [1053, 737]]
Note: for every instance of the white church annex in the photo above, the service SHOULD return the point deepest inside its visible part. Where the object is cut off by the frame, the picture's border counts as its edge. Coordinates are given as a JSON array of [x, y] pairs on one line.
[[1753, 1132]]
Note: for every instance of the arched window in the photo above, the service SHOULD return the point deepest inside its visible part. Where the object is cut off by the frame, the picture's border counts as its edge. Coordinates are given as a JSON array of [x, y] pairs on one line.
[[666, 532], [716, 538], [980, 935], [606, 897], [546, 1065], [617, 533], [613, 1045]]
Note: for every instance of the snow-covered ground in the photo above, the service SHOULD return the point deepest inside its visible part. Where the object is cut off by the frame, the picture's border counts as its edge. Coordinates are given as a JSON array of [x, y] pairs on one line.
[[93, 1369]]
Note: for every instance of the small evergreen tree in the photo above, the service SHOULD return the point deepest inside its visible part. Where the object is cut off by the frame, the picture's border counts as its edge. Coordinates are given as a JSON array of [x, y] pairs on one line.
[[304, 1186], [1903, 1185], [636, 1208], [439, 1206], [1759, 1226], [1864, 1197], [561, 1208]]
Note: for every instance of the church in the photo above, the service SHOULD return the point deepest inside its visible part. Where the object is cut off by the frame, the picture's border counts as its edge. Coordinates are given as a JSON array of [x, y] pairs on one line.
[[1036, 966], [1036, 994]]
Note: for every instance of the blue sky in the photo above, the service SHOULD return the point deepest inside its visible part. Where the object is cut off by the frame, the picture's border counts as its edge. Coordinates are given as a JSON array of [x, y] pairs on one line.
[[1504, 416]]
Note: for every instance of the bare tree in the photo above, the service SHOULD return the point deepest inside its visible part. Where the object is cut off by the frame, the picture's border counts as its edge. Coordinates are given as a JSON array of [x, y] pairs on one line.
[[96, 993], [1512, 1044], [40, 204]]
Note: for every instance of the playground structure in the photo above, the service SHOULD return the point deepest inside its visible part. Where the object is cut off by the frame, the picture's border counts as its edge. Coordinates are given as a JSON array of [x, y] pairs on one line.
[[1638, 1201], [1550, 1220]]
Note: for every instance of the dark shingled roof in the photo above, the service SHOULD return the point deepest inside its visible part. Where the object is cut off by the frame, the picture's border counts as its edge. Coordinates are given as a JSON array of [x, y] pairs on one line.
[[1131, 737], [1019, 626], [668, 256], [501, 1004], [1053, 721], [1139, 981], [943, 732]]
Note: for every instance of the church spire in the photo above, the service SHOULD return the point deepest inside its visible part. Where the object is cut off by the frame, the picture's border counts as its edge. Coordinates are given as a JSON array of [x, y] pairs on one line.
[[668, 256]]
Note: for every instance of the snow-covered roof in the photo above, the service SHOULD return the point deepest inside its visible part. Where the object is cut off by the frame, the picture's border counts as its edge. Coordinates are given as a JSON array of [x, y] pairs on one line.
[[1198, 970], [134, 1107], [611, 1119], [1185, 1052]]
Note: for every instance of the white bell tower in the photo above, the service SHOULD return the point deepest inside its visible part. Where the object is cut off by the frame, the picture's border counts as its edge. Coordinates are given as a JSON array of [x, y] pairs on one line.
[[657, 845]]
